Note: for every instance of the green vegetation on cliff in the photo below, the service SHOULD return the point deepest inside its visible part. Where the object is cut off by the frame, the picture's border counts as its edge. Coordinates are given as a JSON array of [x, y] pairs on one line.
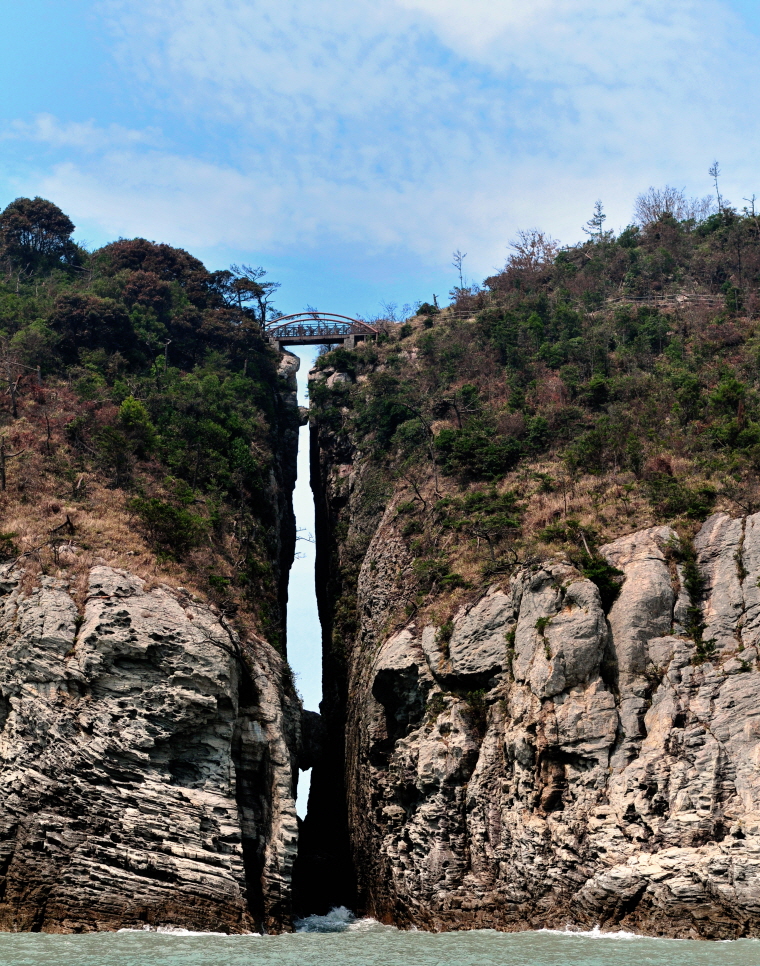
[[143, 406], [579, 394]]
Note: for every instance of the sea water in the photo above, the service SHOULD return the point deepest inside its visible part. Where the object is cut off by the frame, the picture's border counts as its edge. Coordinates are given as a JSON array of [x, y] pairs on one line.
[[340, 940]]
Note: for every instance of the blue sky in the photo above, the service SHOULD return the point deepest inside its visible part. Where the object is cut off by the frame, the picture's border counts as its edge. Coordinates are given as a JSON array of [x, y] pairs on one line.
[[304, 634], [350, 146]]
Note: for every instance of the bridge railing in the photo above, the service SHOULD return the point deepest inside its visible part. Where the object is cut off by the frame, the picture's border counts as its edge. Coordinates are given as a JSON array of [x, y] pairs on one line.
[[313, 331], [318, 323]]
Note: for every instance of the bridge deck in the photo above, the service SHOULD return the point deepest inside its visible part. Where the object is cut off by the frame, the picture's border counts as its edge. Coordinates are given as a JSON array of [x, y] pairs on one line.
[[315, 339], [318, 328]]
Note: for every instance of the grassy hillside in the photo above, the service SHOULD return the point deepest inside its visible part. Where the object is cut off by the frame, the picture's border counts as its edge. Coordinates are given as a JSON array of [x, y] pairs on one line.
[[579, 394], [141, 421]]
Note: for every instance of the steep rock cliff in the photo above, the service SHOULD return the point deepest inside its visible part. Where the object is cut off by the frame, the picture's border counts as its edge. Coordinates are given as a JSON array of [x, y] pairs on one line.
[[538, 761], [147, 763], [149, 744]]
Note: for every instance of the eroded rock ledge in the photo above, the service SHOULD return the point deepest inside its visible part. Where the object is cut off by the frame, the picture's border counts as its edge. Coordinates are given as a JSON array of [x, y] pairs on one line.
[[147, 763], [547, 764]]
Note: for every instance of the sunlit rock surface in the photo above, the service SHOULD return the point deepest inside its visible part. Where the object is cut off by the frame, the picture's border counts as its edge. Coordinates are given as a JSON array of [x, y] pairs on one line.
[[147, 763], [546, 763]]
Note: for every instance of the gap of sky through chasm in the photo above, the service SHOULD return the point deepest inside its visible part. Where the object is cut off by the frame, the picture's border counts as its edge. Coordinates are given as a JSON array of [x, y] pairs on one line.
[[304, 631]]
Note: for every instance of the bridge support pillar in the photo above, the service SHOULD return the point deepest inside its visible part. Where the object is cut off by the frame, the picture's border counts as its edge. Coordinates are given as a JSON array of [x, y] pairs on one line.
[[349, 342]]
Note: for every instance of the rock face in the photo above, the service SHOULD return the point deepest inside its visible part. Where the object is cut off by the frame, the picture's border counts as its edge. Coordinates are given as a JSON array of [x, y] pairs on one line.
[[148, 763], [546, 763]]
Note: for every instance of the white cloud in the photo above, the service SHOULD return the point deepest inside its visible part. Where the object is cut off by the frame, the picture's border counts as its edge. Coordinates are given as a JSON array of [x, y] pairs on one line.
[[84, 136], [412, 125]]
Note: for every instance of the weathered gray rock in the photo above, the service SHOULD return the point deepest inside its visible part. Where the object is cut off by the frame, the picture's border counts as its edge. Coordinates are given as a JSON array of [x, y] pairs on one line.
[[549, 763], [478, 645], [146, 763], [338, 378], [288, 368], [644, 607], [719, 551]]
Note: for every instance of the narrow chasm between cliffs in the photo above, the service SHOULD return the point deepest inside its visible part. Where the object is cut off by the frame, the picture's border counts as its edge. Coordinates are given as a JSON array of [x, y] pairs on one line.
[[536, 587], [323, 876]]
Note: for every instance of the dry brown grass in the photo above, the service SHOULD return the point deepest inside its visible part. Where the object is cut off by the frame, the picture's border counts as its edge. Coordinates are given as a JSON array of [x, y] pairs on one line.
[[53, 480], [606, 507]]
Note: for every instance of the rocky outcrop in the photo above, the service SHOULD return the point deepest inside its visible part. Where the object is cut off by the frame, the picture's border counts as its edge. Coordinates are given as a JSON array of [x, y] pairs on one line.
[[148, 761], [540, 762]]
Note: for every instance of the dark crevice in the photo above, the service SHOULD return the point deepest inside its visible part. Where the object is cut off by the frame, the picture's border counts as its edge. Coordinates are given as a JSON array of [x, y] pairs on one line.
[[323, 876], [254, 811]]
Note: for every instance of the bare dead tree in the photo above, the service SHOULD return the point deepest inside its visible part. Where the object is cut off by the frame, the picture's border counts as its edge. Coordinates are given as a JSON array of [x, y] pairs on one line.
[[459, 257], [11, 368], [751, 212], [714, 173], [391, 311], [302, 534], [533, 250], [5, 456], [48, 436], [13, 392], [412, 476], [654, 204], [745, 492]]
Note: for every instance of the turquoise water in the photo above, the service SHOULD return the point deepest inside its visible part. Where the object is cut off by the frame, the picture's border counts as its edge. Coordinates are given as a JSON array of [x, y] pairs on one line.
[[338, 941]]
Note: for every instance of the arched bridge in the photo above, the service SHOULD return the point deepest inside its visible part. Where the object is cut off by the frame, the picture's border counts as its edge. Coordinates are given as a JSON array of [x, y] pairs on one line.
[[318, 328]]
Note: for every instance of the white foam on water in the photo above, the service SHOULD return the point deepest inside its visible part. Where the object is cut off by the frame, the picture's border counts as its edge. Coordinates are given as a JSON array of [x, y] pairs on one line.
[[361, 925], [595, 933], [339, 919], [179, 931]]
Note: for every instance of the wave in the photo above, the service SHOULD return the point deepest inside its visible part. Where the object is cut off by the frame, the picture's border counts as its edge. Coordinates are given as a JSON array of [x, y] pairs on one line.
[[595, 933], [339, 919]]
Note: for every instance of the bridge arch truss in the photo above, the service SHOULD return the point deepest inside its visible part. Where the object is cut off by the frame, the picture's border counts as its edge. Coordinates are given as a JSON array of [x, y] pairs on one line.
[[318, 328]]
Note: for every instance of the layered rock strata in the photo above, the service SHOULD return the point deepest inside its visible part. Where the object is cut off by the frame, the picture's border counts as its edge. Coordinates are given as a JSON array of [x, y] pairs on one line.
[[147, 763], [545, 763]]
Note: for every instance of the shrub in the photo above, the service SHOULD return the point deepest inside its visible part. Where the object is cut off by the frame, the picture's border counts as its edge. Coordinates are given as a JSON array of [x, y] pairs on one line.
[[86, 321], [728, 395], [218, 583], [541, 624], [606, 577], [90, 385], [597, 391], [427, 309], [671, 497], [8, 548], [682, 550], [170, 528], [443, 637], [411, 527], [436, 706], [435, 571], [343, 360], [478, 709], [475, 454], [135, 419], [381, 414]]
